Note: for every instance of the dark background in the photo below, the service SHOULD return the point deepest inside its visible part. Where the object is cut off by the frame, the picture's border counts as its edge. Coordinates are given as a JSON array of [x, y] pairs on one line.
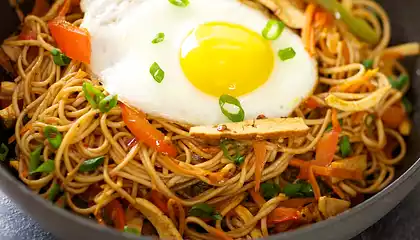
[[402, 223]]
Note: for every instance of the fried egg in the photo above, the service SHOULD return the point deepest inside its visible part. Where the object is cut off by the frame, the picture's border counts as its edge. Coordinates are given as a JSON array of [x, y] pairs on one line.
[[210, 48]]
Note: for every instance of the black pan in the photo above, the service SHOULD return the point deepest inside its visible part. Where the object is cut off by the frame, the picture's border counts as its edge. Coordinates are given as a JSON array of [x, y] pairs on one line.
[[405, 19]]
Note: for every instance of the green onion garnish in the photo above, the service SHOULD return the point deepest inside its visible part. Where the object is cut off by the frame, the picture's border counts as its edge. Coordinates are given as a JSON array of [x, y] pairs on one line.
[[91, 164], [54, 190], [4, 150], [180, 3], [203, 210], [300, 189], [131, 230], [159, 38], [234, 117], [330, 126], [53, 136], [273, 29], [399, 83], [34, 158], [60, 58], [108, 103], [237, 159], [46, 167], [287, 53], [345, 146], [407, 105], [368, 63], [92, 94], [157, 72], [270, 190]]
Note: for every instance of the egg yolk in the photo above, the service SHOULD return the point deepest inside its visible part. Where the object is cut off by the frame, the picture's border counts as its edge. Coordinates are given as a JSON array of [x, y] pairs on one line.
[[223, 58]]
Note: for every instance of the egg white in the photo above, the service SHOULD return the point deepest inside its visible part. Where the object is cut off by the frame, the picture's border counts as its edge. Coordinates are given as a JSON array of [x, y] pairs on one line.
[[122, 53]]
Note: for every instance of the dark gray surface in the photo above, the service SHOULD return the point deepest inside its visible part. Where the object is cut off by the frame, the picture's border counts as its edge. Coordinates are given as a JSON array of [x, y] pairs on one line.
[[402, 223]]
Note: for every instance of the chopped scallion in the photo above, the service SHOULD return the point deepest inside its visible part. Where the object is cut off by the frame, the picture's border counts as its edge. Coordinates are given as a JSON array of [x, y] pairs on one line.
[[234, 117], [273, 29], [4, 150], [407, 105], [345, 146], [54, 191], [60, 58], [91, 164], [237, 159], [299, 189], [108, 103], [204, 210], [157, 73], [270, 190], [400, 82], [287, 53], [93, 95], [131, 230], [368, 63], [159, 38], [53, 136], [180, 3], [34, 158], [46, 167]]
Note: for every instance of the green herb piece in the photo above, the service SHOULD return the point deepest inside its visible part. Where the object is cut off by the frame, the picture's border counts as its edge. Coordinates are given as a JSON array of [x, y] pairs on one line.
[[234, 117], [180, 3], [4, 150], [369, 120], [300, 189], [54, 190], [159, 38], [203, 210], [131, 230], [270, 190], [287, 53], [237, 159], [407, 105], [60, 58], [345, 146], [91, 164], [368, 63], [399, 83], [93, 95], [108, 103], [157, 73], [273, 29], [34, 158], [53, 136], [46, 167]]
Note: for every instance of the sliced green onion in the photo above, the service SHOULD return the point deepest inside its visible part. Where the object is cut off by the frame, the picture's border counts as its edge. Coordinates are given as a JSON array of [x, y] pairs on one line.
[[407, 105], [159, 38], [54, 190], [157, 73], [203, 210], [399, 83], [91, 164], [270, 190], [53, 136], [368, 63], [131, 230], [46, 167], [273, 29], [4, 150], [237, 159], [34, 158], [287, 53], [300, 189], [93, 95], [234, 117], [345, 146], [108, 103], [180, 3], [60, 58]]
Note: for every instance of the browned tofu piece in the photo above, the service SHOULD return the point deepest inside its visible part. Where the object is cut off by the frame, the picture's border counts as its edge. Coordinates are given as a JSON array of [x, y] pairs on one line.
[[253, 129]]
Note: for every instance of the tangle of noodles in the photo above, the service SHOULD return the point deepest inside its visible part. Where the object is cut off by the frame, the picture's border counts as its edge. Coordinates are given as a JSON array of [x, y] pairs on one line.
[[133, 175]]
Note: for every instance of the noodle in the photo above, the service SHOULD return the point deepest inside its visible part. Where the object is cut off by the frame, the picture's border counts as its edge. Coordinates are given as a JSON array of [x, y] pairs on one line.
[[49, 95]]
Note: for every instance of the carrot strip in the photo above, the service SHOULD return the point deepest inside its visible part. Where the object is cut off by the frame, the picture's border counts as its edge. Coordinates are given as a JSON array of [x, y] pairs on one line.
[[344, 87], [256, 196], [115, 211], [159, 201], [282, 214], [26, 128], [65, 8], [335, 122], [394, 116], [314, 183], [311, 103], [326, 147], [219, 233], [260, 152], [356, 118], [307, 28], [40, 8]]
